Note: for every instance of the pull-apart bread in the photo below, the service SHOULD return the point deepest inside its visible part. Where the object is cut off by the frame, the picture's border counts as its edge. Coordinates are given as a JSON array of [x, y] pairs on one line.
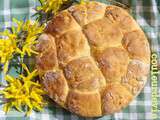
[[94, 59]]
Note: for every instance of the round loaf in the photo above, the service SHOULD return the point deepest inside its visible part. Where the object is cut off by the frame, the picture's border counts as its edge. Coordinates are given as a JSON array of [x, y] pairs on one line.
[[94, 59]]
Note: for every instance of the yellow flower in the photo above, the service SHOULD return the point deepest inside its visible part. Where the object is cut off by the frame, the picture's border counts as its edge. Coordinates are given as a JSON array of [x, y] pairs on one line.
[[51, 5], [23, 92], [21, 40], [7, 48], [83, 1], [54, 5], [29, 32], [33, 30]]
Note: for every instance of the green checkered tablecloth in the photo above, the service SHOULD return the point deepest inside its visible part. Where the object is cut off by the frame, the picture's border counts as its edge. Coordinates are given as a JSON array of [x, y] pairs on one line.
[[146, 13]]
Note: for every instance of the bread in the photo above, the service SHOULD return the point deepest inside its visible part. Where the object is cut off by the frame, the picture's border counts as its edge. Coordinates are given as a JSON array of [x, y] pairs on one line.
[[94, 59]]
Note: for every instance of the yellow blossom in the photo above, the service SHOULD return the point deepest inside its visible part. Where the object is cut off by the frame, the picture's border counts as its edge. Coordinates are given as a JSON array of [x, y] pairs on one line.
[[33, 30], [30, 30], [23, 92], [20, 40], [83, 1], [7, 48], [51, 5], [54, 5]]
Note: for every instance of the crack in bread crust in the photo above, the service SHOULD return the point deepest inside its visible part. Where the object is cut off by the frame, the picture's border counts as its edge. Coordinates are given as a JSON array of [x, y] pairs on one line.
[[98, 59]]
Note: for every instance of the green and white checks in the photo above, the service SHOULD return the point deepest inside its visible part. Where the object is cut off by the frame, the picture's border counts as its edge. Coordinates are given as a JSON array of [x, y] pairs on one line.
[[146, 13]]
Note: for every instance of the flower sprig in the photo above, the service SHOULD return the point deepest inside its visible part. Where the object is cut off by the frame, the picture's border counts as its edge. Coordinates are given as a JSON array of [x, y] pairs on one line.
[[30, 32], [19, 40], [54, 5], [23, 92], [51, 5], [7, 48], [83, 1], [49, 8]]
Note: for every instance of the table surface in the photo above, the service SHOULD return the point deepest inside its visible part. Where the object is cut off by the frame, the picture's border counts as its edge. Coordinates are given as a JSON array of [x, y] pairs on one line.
[[146, 13]]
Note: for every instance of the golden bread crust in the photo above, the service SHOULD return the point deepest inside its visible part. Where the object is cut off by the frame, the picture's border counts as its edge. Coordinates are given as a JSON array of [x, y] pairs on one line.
[[86, 104], [47, 59], [56, 86], [94, 59], [113, 63], [103, 33], [137, 46], [71, 45], [122, 18], [114, 98], [62, 23], [84, 75], [88, 13]]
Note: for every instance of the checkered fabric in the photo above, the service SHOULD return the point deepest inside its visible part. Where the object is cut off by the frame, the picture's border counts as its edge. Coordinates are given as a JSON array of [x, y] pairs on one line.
[[146, 13]]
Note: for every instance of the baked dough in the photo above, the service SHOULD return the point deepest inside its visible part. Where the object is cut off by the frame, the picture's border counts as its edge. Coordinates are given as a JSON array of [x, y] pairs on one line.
[[94, 59]]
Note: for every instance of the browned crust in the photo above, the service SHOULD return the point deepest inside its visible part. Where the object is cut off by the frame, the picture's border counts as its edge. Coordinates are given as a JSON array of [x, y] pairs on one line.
[[56, 86], [113, 63], [136, 44], [93, 64], [85, 104], [47, 59], [114, 98], [84, 75]]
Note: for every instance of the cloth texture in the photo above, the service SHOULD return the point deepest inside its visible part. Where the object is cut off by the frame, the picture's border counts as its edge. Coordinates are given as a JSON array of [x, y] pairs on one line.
[[145, 12]]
